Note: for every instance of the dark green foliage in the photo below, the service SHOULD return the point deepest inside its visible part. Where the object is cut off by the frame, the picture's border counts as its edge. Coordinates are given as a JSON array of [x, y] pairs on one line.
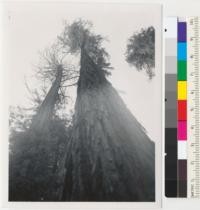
[[19, 119], [34, 172], [79, 36], [141, 50]]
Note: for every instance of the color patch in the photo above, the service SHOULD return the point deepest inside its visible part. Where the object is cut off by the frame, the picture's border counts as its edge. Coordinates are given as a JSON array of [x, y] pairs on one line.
[[182, 150], [182, 32], [171, 64], [182, 110], [182, 130], [182, 178], [182, 51], [171, 47], [182, 90], [182, 70]]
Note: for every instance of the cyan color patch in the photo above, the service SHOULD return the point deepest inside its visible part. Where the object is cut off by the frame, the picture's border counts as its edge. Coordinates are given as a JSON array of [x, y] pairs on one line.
[[182, 51]]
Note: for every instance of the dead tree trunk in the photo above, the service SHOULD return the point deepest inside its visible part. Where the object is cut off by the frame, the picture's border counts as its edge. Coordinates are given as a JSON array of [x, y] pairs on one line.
[[109, 157], [44, 114]]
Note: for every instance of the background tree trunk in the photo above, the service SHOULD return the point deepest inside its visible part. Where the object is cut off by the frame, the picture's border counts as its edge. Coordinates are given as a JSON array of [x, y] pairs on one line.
[[33, 170], [109, 157], [45, 112]]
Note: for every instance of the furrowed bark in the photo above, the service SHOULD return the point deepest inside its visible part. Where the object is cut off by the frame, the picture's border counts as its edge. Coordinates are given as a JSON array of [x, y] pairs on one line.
[[109, 156]]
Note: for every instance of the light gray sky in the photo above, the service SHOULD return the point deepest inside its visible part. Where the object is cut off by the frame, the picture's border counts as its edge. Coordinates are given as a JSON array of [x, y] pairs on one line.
[[31, 27]]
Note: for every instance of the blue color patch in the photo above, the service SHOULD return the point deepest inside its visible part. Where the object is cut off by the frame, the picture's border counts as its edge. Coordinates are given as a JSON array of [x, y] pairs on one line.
[[182, 51]]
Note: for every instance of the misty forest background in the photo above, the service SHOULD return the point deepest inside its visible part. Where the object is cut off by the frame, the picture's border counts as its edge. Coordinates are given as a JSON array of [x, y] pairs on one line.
[[98, 151]]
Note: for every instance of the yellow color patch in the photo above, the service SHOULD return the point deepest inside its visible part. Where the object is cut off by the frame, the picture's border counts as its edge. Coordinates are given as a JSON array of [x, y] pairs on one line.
[[182, 90]]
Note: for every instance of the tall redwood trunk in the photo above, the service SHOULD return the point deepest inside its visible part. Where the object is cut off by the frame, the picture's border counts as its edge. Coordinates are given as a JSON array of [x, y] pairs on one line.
[[109, 157]]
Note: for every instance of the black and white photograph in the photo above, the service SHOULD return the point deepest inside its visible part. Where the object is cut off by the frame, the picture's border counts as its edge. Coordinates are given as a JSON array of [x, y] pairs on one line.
[[84, 101]]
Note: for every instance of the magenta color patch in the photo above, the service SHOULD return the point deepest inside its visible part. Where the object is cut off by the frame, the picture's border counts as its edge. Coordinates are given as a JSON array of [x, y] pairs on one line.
[[182, 130]]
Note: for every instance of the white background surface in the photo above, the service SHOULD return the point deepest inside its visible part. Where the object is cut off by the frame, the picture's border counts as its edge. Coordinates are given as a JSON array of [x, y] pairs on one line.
[[170, 8]]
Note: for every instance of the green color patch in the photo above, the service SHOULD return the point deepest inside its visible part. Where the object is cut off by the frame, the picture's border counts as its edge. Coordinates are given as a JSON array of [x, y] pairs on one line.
[[182, 70]]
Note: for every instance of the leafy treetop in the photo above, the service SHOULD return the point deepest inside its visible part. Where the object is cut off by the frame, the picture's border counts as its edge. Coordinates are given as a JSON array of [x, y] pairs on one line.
[[79, 36], [141, 50]]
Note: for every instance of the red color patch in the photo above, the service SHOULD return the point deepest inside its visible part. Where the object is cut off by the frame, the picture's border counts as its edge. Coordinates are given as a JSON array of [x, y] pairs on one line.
[[182, 110]]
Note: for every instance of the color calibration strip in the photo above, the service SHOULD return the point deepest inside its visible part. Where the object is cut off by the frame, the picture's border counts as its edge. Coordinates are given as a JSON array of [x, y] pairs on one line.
[[182, 107], [182, 110], [170, 34]]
